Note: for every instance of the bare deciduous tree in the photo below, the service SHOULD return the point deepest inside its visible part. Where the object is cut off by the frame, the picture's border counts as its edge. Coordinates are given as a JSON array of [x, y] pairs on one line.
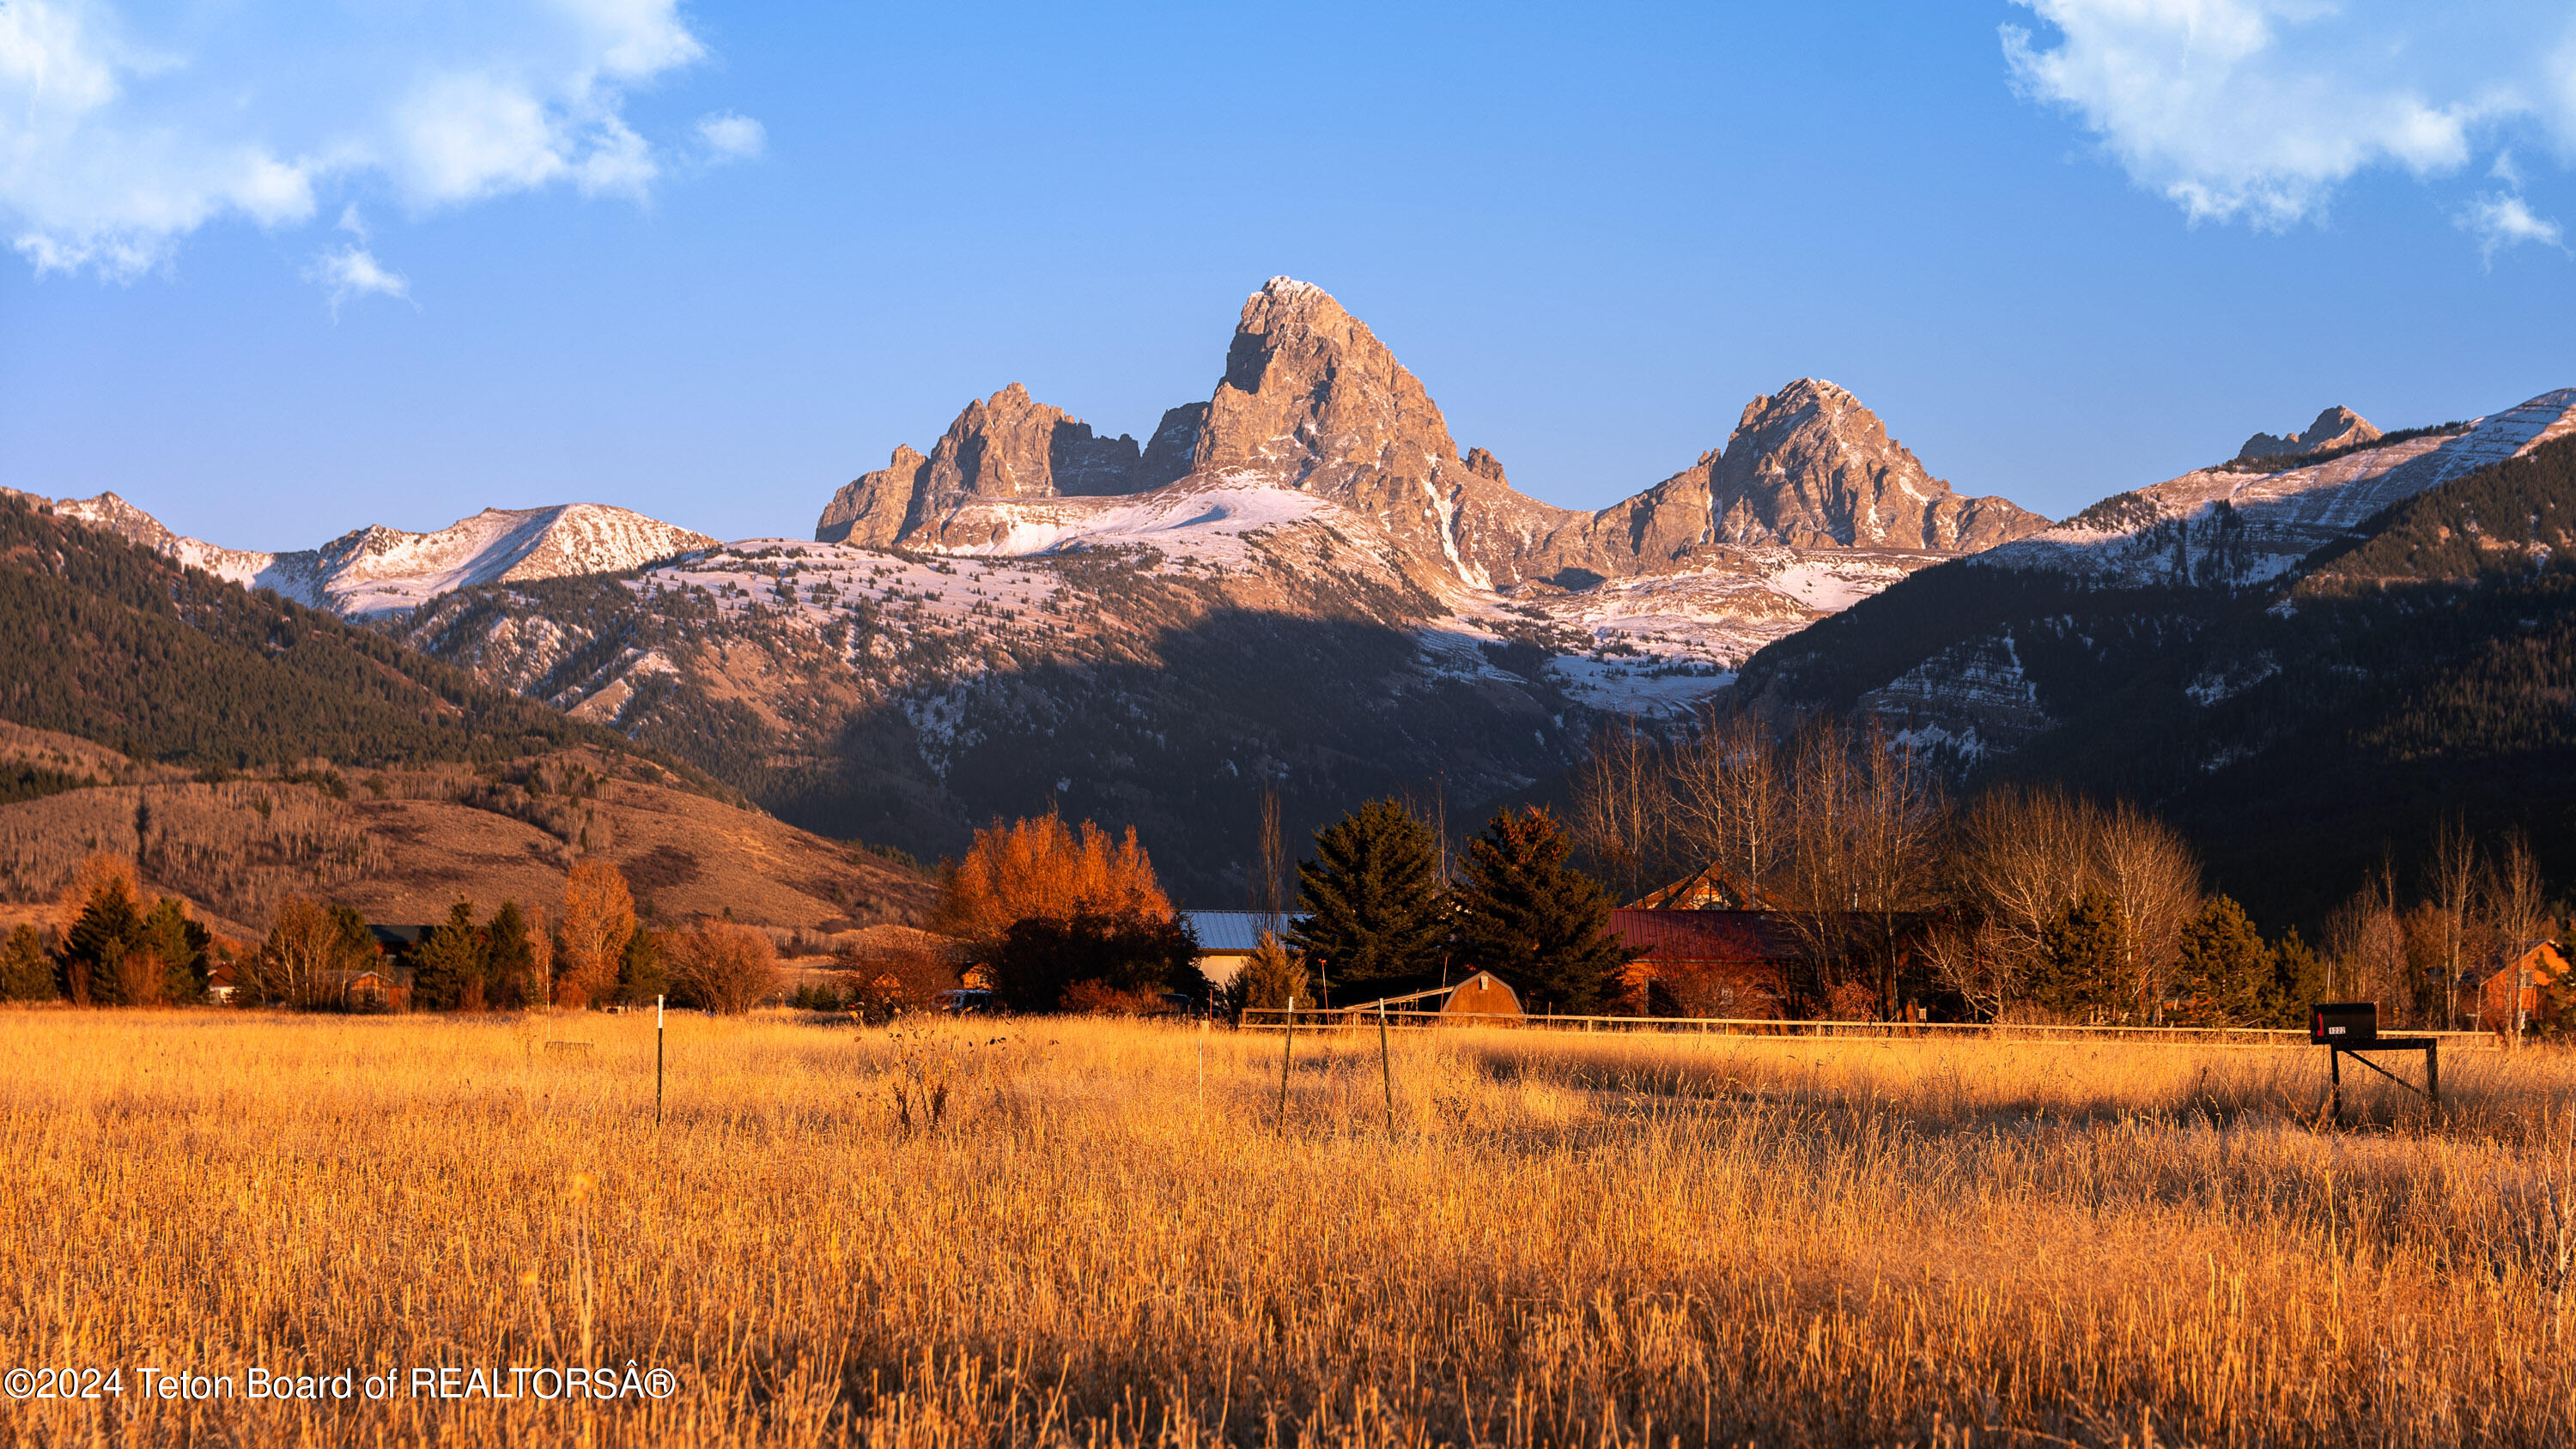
[[1270, 864], [2154, 881], [2453, 878], [1621, 808], [2366, 946], [1728, 800]]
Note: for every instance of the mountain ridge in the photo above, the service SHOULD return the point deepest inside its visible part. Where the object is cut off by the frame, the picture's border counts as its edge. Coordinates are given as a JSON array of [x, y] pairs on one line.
[[375, 570], [1311, 401]]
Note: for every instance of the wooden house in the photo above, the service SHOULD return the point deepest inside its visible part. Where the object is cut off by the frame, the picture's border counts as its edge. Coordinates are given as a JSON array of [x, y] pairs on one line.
[[370, 990], [1708, 963], [2534, 966]]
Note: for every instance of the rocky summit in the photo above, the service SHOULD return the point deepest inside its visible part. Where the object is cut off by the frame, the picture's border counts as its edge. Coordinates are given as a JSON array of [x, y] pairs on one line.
[[1312, 401], [2336, 427]]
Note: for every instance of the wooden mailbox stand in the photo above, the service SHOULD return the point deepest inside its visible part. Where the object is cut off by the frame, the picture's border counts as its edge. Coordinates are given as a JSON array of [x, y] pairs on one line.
[[2353, 1027]]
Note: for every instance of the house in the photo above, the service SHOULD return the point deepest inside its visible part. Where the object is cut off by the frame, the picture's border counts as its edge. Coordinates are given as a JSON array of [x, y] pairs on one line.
[[1708, 963], [2534, 966], [1715, 888], [1227, 939], [369, 990]]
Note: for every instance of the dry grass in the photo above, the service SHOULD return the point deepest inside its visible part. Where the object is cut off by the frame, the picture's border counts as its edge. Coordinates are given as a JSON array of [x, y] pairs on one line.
[[239, 850], [1048, 1233]]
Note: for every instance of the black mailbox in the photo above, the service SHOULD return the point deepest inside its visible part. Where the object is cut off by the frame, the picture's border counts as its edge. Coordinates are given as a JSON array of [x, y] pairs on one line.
[[2343, 1023]]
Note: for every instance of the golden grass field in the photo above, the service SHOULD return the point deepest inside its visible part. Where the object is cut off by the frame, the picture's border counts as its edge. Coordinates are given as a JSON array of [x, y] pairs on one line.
[[1666, 1241]]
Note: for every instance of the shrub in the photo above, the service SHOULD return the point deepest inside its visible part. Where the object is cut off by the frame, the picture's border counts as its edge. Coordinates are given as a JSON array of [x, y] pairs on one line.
[[1271, 979], [725, 968], [1042, 958], [884, 983]]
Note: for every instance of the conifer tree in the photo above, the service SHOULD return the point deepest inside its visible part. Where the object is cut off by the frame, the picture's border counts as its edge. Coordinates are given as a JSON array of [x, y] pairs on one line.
[[644, 967], [2298, 979], [516, 975], [2223, 975], [449, 969], [25, 974], [1535, 921], [2080, 957], [109, 925], [181, 945], [1373, 912], [1273, 978]]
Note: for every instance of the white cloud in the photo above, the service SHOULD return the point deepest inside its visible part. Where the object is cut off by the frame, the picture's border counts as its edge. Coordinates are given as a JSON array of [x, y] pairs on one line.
[[729, 137], [2259, 109], [348, 273], [121, 134], [2502, 219]]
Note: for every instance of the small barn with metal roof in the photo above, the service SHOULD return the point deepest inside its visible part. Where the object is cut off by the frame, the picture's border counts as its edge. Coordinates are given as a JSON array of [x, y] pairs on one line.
[[1227, 939]]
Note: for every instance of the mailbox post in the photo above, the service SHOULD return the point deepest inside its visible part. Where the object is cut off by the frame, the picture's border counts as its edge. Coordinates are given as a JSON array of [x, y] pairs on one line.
[[2353, 1027]]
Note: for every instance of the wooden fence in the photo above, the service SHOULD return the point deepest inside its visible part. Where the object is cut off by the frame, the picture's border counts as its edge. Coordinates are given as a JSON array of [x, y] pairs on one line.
[[1275, 1018]]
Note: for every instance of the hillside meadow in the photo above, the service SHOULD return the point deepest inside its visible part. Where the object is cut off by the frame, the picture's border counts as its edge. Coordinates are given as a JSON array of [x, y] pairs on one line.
[[1095, 1233]]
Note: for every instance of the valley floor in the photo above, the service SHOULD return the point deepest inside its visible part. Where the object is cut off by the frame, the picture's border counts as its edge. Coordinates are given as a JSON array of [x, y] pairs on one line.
[[1068, 1232]]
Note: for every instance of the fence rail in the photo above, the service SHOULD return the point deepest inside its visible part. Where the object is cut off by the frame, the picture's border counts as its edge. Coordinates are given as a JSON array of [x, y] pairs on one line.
[[1276, 1018]]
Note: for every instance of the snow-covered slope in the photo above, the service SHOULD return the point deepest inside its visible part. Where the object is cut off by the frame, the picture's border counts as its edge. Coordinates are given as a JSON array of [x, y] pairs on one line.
[[377, 570], [1981, 660], [2239, 526]]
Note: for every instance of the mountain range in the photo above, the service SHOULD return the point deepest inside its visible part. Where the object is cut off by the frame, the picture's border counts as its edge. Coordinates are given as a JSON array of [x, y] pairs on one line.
[[1304, 584], [1301, 583]]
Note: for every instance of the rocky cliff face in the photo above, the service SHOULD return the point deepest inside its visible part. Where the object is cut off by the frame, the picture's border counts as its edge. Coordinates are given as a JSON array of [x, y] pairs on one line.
[[1312, 401], [1810, 467], [1807, 467], [2053, 636], [1007, 446], [2336, 427]]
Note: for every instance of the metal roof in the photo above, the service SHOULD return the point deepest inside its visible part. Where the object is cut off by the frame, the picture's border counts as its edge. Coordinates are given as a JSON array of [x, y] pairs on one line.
[[1706, 935], [1231, 931]]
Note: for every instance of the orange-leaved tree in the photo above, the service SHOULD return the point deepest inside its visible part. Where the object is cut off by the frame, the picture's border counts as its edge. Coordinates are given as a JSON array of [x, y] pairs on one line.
[[598, 920], [1042, 868]]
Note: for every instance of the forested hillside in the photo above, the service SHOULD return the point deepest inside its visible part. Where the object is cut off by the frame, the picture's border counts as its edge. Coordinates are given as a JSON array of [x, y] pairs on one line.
[[112, 642], [2427, 670], [2301, 730]]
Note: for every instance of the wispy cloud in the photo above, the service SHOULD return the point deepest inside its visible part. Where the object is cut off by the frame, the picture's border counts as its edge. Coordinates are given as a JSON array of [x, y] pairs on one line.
[[350, 272], [2258, 110], [121, 134], [725, 136], [2500, 219]]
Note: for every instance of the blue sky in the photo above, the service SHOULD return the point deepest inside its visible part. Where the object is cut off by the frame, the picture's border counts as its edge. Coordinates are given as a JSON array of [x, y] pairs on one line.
[[283, 270]]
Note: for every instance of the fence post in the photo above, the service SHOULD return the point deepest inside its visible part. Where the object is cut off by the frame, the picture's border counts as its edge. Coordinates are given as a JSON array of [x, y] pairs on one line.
[[1287, 1049], [1385, 1068], [657, 1061], [2433, 1072]]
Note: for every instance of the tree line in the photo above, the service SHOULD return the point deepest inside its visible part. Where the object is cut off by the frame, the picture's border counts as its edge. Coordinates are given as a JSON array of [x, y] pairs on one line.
[[1058, 917], [112, 944], [2020, 902]]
